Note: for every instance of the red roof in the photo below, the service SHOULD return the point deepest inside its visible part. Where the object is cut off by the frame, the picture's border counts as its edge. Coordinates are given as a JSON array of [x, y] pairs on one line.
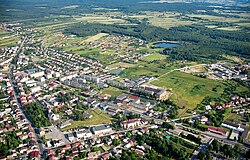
[[105, 156], [134, 97], [215, 129], [50, 152], [139, 152], [34, 153]]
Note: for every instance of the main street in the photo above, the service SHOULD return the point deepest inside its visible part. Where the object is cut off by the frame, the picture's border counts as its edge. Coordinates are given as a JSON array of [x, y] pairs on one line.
[[16, 96]]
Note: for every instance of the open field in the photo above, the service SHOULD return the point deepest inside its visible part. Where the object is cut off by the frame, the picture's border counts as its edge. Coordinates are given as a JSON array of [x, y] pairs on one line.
[[234, 58], [188, 90], [144, 69], [102, 18], [105, 9], [94, 38], [87, 51], [8, 41], [216, 18], [168, 22], [120, 65], [229, 28], [114, 92], [154, 56], [232, 117], [4, 33], [99, 117]]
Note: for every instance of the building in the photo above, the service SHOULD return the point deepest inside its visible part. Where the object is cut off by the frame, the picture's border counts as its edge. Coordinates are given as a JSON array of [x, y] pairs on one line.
[[216, 130], [232, 126], [37, 74], [65, 124], [203, 119], [131, 123], [35, 89], [101, 129]]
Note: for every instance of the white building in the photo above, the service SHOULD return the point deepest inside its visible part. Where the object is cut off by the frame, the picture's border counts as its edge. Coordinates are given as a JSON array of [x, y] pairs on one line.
[[37, 74], [131, 123], [102, 129], [35, 89]]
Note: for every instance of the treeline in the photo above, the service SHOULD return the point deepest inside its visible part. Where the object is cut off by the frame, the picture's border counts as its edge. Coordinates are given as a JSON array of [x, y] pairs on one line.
[[37, 115], [200, 42]]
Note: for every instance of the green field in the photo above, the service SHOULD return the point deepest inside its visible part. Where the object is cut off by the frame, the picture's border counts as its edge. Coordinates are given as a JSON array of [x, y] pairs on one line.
[[190, 90], [232, 117], [114, 92], [144, 69], [154, 56], [99, 117], [120, 65]]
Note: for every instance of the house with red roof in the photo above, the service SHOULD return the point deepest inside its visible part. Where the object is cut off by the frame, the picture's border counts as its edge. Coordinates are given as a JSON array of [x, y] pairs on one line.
[[216, 130]]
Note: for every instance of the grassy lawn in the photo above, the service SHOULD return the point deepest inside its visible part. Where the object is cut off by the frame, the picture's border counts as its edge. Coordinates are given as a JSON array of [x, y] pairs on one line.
[[120, 65], [99, 117], [232, 117], [189, 90], [114, 92], [154, 56]]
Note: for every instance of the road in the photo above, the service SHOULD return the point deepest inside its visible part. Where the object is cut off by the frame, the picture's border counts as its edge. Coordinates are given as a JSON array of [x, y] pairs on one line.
[[10, 74]]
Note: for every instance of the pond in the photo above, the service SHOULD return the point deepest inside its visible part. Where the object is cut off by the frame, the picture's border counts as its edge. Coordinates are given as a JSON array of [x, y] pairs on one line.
[[166, 45]]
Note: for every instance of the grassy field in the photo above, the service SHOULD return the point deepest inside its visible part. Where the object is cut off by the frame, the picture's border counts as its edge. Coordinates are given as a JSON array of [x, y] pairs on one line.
[[120, 65], [216, 18], [94, 38], [99, 117], [188, 90], [87, 51], [234, 58], [101, 18], [8, 41], [232, 117], [154, 56], [114, 92], [144, 69], [229, 28]]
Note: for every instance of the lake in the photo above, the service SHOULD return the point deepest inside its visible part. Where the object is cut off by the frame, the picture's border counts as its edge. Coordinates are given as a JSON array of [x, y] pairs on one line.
[[166, 45]]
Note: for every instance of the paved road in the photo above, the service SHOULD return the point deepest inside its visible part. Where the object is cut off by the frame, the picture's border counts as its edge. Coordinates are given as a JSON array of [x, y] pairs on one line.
[[10, 73]]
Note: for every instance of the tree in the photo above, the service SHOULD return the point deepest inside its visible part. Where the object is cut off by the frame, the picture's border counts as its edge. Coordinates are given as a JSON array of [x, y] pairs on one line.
[[83, 155], [168, 125], [202, 155], [237, 151]]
